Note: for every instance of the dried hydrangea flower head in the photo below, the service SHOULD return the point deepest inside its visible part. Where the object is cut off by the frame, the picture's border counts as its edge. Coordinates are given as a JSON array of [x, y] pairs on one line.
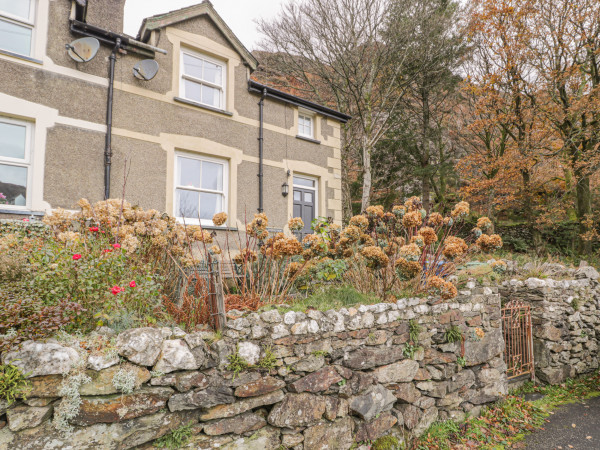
[[484, 223], [360, 222], [410, 252], [258, 226], [292, 269], [429, 235], [418, 239], [375, 211], [399, 210], [499, 266], [435, 219], [407, 270], [287, 247], [412, 219], [246, 255], [376, 258], [351, 232], [413, 204], [489, 243], [444, 288], [219, 219], [477, 232], [461, 210], [296, 224], [454, 247], [449, 221], [366, 240]]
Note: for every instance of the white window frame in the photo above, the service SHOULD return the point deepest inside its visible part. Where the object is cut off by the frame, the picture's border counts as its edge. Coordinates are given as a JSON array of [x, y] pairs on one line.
[[225, 193], [25, 162], [315, 189], [303, 115], [183, 76], [26, 23]]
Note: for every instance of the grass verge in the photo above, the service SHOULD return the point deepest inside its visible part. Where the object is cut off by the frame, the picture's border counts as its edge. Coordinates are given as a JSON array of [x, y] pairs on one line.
[[507, 422]]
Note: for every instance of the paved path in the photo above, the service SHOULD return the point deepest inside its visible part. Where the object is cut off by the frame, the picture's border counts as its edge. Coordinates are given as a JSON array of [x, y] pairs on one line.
[[560, 433]]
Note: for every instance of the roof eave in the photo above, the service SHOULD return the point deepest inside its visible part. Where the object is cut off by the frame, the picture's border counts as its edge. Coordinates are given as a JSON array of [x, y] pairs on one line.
[[255, 86], [150, 24]]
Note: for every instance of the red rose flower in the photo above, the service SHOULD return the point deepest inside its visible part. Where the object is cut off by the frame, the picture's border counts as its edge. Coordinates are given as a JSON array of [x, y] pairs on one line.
[[107, 250], [25, 220], [94, 229], [132, 284], [116, 289], [76, 257], [117, 245]]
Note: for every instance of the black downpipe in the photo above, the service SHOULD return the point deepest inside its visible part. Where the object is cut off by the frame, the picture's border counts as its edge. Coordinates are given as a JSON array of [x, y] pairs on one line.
[[261, 139], [109, 107]]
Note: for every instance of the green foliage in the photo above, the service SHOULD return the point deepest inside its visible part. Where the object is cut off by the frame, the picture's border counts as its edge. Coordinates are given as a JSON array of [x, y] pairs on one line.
[[461, 361], [23, 319], [176, 438], [414, 329], [575, 304], [320, 353], [124, 381], [453, 334], [268, 361], [13, 384], [237, 364], [333, 297], [409, 350], [387, 443]]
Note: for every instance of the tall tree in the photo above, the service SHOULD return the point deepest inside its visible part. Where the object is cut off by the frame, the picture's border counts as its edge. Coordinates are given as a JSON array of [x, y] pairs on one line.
[[353, 55]]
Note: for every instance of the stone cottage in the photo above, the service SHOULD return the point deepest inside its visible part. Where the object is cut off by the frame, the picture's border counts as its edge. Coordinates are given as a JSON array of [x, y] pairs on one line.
[[198, 138]]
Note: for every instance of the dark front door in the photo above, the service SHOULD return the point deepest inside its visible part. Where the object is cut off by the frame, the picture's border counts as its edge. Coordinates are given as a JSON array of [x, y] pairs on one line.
[[304, 207]]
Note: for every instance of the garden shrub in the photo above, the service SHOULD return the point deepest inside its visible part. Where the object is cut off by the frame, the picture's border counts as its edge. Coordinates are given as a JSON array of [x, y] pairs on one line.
[[26, 318], [13, 384]]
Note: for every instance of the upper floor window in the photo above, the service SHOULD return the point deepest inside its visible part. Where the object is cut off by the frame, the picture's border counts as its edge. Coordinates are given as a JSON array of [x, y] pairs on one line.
[[200, 188], [15, 162], [202, 79], [306, 126], [16, 26]]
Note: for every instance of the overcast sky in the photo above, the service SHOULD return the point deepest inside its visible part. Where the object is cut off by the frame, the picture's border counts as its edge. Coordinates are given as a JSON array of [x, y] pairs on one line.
[[238, 14]]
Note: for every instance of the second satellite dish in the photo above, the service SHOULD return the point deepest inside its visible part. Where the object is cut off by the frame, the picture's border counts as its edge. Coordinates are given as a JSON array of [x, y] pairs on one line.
[[84, 49], [146, 69]]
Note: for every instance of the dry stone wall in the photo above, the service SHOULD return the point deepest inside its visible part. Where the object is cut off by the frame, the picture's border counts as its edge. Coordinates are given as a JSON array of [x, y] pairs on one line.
[[565, 320], [317, 379]]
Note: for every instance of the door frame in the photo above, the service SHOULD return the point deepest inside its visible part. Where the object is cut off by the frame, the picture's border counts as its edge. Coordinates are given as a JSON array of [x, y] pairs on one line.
[[315, 189]]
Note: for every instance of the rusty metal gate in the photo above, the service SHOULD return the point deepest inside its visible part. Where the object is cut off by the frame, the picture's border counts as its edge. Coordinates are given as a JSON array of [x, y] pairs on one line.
[[516, 327]]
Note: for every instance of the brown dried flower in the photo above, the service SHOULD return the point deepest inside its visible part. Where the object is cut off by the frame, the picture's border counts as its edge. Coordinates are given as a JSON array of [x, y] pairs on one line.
[[219, 219], [376, 258], [429, 235], [360, 222], [489, 243], [454, 247], [412, 219], [435, 219]]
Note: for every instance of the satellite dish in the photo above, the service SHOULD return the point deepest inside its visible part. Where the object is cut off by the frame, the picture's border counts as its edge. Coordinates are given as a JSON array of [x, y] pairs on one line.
[[146, 69], [84, 49]]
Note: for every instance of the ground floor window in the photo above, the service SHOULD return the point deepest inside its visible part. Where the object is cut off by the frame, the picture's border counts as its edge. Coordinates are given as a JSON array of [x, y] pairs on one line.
[[200, 188], [305, 201], [15, 162]]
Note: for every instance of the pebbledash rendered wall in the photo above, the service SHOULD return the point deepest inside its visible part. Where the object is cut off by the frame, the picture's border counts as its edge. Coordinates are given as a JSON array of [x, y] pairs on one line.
[[565, 312], [340, 377]]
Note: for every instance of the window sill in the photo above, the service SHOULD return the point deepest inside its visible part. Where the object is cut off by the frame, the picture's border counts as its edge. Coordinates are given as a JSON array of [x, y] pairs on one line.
[[304, 138], [212, 227], [22, 212], [200, 105], [23, 57]]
